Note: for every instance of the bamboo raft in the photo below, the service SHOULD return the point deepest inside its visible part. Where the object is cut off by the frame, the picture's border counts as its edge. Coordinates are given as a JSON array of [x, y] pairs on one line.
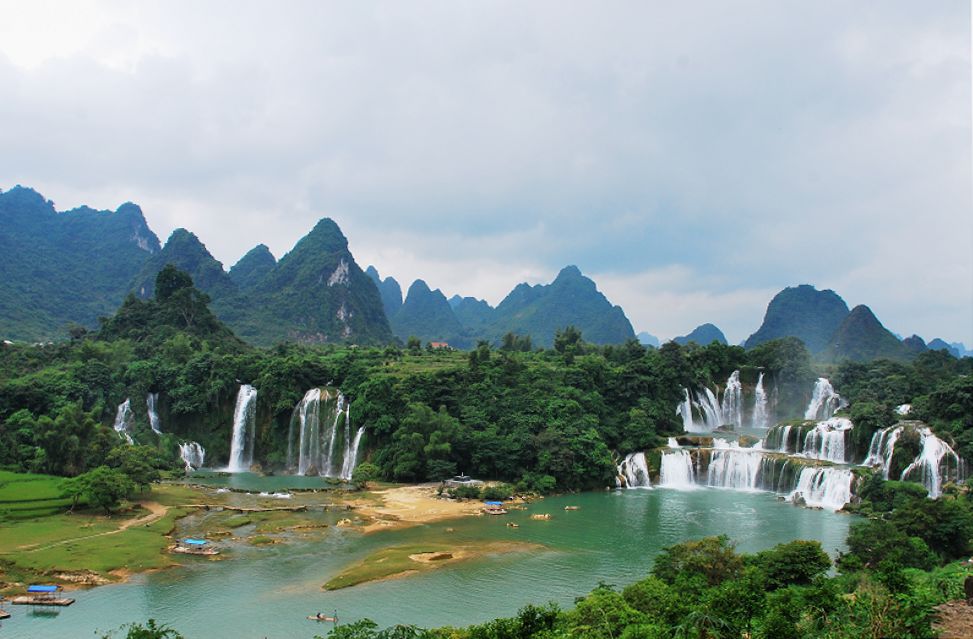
[[30, 600], [4, 614]]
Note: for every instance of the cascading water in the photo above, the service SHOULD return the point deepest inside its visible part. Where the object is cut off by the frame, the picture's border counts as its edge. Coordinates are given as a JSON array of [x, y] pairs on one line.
[[325, 445], [824, 401], [710, 406], [761, 417], [193, 455], [124, 420], [732, 406], [685, 410], [731, 466], [151, 400], [633, 472], [676, 470], [824, 487], [244, 430], [933, 459], [672, 443], [935, 463], [827, 441]]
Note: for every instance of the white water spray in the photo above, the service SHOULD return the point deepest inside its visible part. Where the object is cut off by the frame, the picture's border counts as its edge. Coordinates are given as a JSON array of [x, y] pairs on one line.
[[824, 401], [151, 401], [193, 456], [761, 417], [124, 420]]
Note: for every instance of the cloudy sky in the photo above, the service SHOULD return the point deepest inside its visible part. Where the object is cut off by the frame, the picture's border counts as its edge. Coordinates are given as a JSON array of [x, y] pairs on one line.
[[692, 159]]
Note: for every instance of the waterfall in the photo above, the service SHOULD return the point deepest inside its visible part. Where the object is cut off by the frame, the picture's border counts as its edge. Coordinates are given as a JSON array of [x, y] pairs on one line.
[[903, 409], [244, 430], [731, 410], [154, 422], [193, 455], [685, 410], [827, 440], [348, 467], [824, 401], [930, 460], [633, 472], [882, 447], [823, 487], [124, 420], [761, 419], [712, 411], [672, 443], [325, 444], [731, 466], [676, 470]]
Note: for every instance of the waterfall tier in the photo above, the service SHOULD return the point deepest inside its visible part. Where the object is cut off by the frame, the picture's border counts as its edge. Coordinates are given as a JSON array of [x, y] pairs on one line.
[[125, 421], [244, 430], [761, 416], [936, 462], [325, 443], [824, 401], [633, 472], [703, 410], [193, 456], [676, 470], [151, 400]]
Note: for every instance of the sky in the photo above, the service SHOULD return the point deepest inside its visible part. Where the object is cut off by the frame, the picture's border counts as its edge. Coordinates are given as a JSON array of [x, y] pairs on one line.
[[693, 158]]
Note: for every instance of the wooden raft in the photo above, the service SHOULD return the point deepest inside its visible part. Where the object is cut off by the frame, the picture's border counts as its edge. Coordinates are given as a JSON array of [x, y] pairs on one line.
[[28, 600]]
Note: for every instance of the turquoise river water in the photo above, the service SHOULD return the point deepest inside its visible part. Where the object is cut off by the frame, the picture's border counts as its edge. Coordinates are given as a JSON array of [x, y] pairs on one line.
[[269, 591]]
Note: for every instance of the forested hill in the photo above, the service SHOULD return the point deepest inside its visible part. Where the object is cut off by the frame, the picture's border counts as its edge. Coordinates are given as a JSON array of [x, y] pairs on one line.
[[62, 268]]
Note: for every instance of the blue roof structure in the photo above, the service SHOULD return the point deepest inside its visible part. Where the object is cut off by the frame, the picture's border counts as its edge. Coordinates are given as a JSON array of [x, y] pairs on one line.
[[43, 588], [195, 542], [493, 503]]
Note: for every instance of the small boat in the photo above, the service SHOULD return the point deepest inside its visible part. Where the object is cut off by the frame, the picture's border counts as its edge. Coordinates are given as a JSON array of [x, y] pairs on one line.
[[511, 524], [572, 508], [323, 617]]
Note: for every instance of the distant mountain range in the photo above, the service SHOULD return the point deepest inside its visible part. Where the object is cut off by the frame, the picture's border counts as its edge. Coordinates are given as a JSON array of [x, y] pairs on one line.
[[61, 268], [538, 311]]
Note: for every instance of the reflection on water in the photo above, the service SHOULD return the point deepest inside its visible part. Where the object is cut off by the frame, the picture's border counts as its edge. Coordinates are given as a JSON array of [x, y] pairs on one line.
[[269, 591]]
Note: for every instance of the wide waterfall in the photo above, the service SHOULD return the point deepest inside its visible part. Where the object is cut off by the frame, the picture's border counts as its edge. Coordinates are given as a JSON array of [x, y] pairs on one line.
[[825, 487], [244, 430], [124, 421], [676, 470], [761, 417], [193, 455], [731, 466], [824, 401], [935, 463], [325, 443], [151, 400], [633, 472]]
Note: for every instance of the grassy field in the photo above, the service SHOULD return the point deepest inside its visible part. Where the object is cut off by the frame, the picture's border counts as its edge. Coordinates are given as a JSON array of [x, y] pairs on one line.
[[39, 538]]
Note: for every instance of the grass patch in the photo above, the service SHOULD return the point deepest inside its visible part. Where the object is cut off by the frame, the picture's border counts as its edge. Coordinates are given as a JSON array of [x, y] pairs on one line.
[[237, 520], [262, 540]]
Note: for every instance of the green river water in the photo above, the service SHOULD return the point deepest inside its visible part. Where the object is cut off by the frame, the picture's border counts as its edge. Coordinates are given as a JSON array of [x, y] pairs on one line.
[[269, 591]]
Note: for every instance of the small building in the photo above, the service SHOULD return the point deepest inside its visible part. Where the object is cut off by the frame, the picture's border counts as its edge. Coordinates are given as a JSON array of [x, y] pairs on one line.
[[195, 547], [42, 595], [439, 345]]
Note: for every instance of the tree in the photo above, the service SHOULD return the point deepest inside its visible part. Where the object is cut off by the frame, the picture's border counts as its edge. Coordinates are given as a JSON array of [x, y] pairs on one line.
[[712, 558], [364, 473], [414, 345], [169, 280], [106, 487], [140, 463], [149, 631]]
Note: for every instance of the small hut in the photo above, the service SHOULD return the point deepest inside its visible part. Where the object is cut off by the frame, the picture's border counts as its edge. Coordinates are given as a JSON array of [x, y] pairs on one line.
[[494, 508], [42, 595]]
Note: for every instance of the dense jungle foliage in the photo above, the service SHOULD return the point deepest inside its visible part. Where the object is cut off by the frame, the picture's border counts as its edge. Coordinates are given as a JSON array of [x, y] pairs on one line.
[[548, 418]]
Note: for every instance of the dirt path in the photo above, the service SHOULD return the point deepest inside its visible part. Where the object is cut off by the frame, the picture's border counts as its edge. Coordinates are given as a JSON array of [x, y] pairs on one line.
[[156, 512], [954, 620]]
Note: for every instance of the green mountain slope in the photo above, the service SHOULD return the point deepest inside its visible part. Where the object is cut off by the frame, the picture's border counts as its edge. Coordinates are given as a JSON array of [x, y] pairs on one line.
[[803, 312], [388, 289], [427, 315], [702, 335], [61, 268], [253, 267], [184, 251], [861, 338]]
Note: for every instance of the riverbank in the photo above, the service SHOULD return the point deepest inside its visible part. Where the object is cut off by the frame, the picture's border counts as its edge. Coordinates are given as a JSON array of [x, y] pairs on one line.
[[402, 506]]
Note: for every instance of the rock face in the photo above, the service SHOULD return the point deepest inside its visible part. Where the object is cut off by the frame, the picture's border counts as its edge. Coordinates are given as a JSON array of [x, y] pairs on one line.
[[184, 251], [253, 267], [57, 268], [389, 290], [861, 337], [703, 335], [427, 315], [803, 312]]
